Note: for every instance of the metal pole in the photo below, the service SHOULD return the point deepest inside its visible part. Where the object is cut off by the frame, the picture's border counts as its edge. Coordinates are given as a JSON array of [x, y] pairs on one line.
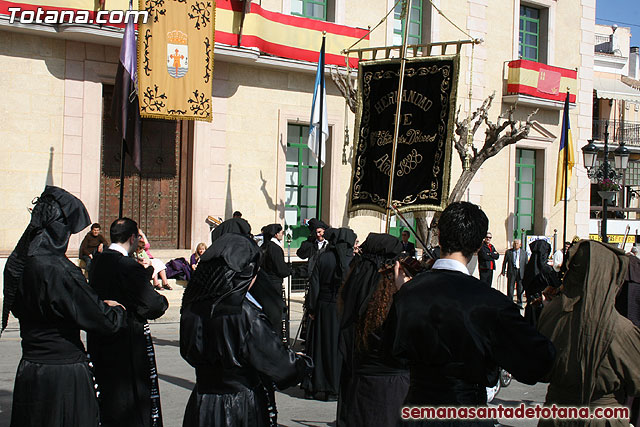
[[289, 284], [605, 237], [319, 184], [396, 131], [566, 171], [121, 201]]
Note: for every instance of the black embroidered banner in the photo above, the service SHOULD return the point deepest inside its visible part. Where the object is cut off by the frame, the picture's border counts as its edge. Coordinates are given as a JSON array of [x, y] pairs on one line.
[[423, 157]]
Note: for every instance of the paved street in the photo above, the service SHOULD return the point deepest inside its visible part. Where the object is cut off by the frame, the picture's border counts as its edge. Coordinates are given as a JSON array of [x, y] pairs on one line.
[[177, 379]]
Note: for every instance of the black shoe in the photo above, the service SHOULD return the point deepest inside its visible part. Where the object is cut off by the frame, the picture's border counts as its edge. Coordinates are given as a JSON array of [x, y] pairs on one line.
[[330, 397], [308, 395]]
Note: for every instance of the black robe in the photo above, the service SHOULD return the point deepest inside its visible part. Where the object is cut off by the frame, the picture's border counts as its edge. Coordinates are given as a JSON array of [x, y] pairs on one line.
[[322, 335], [123, 363], [54, 385], [233, 348], [267, 289], [454, 332]]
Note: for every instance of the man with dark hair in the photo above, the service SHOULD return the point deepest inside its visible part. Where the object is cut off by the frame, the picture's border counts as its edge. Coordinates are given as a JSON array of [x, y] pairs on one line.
[[487, 256], [237, 214], [454, 331], [93, 242], [407, 247], [125, 366]]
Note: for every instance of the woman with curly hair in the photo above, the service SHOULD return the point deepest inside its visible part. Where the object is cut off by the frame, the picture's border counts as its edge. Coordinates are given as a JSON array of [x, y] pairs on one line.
[[371, 390]]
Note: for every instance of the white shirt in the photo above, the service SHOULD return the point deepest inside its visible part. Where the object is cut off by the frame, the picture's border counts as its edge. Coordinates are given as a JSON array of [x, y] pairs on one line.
[[253, 300], [276, 241], [321, 244], [516, 258], [450, 264], [118, 248], [558, 257]]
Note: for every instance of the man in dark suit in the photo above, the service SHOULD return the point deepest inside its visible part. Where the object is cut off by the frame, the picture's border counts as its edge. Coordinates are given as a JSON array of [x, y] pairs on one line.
[[454, 332], [487, 256], [407, 246], [125, 366], [515, 260]]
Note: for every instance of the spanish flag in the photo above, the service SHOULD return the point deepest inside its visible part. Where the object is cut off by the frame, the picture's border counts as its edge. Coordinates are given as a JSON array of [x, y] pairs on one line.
[[566, 150]]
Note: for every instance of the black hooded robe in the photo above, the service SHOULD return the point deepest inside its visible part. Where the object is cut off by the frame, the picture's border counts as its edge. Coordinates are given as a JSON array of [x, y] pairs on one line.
[[50, 297], [538, 275], [324, 285], [229, 341]]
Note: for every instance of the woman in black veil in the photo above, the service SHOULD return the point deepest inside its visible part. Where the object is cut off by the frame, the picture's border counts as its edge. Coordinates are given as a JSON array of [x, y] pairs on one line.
[[371, 389], [273, 269], [50, 297], [326, 279], [538, 276], [228, 340]]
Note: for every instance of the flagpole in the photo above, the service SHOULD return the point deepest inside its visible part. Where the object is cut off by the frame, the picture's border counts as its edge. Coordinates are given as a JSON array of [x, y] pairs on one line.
[[405, 37], [566, 167], [121, 201], [319, 134]]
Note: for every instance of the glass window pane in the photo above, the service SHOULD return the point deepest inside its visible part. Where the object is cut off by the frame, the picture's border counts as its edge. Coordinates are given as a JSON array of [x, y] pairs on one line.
[[531, 53], [531, 40], [291, 176], [309, 176], [525, 190], [527, 157], [293, 134], [525, 207], [414, 29], [413, 40], [291, 216], [525, 174], [397, 40], [291, 196], [309, 196], [307, 213], [296, 6], [308, 159], [525, 222], [415, 14], [532, 27], [317, 11], [292, 155], [397, 25]]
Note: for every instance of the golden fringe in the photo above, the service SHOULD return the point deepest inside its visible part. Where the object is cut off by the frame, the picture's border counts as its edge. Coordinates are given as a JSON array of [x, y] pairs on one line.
[[366, 212]]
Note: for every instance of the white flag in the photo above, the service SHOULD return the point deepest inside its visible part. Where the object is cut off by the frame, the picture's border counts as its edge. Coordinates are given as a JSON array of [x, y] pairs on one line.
[[318, 144]]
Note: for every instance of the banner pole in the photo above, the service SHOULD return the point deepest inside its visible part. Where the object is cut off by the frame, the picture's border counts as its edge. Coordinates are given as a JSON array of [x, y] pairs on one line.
[[403, 59], [320, 136], [121, 201], [566, 170]]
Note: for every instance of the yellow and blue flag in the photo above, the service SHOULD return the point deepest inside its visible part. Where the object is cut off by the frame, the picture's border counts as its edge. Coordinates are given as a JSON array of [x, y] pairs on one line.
[[566, 150]]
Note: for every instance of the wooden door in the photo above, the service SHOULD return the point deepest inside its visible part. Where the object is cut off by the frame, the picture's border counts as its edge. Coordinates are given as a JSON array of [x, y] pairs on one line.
[[158, 196]]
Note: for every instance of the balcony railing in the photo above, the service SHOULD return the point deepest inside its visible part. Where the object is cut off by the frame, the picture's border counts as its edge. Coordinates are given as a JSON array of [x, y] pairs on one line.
[[629, 132], [603, 44]]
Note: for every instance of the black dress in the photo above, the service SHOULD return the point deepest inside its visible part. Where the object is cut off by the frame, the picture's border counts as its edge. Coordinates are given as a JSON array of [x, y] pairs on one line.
[[54, 385], [324, 329], [232, 350], [268, 287], [50, 297], [125, 365]]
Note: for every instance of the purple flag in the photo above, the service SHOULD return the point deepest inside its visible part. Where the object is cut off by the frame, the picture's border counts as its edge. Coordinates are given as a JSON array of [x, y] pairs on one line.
[[124, 109]]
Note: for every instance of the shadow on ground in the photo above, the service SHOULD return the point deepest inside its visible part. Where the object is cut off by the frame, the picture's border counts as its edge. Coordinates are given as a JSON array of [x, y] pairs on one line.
[[5, 407], [180, 382]]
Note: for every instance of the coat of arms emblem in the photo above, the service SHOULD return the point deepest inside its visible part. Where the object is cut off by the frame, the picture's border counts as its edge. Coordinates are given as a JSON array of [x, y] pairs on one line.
[[177, 54]]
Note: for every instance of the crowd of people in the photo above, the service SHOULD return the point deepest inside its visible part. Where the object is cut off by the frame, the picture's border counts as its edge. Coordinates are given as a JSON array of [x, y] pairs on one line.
[[382, 330]]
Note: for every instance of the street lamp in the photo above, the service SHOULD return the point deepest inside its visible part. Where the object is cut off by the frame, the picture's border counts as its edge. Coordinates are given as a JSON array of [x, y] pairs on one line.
[[621, 159]]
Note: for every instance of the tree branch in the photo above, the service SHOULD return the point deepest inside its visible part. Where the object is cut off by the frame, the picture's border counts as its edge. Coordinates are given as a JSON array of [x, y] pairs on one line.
[[344, 82]]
